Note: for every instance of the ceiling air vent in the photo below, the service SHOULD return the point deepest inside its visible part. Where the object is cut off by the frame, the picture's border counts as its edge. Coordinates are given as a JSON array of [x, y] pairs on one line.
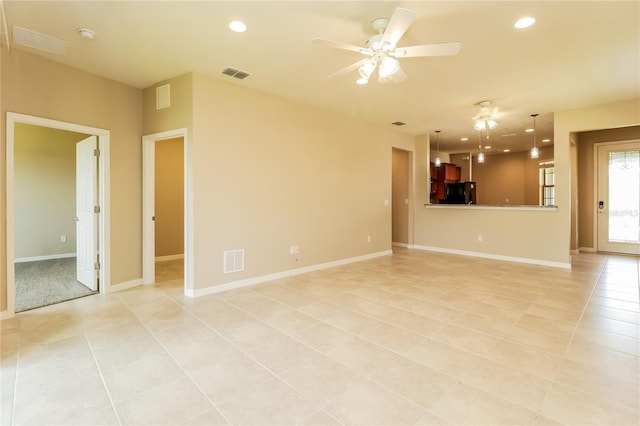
[[232, 72], [34, 40], [398, 123]]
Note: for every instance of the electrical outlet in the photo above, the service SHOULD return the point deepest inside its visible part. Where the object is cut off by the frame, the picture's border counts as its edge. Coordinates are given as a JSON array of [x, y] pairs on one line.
[[63, 238], [479, 238], [368, 238], [292, 250]]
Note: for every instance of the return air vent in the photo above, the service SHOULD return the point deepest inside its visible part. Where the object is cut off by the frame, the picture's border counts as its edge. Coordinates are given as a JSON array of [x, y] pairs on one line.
[[232, 72], [34, 40], [398, 123], [163, 96], [233, 261]]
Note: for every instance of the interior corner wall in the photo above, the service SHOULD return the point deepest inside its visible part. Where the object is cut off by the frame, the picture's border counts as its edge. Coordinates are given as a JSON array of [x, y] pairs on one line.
[[566, 125], [33, 85], [400, 196], [270, 174]]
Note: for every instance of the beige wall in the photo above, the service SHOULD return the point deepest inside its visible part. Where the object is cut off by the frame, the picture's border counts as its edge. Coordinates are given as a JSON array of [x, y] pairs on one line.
[[45, 191], [586, 179], [269, 174], [510, 178], [462, 160], [169, 197], [399, 196], [35, 86]]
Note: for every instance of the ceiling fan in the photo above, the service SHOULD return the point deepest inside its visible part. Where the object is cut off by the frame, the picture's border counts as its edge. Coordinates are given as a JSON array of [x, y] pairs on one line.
[[382, 50]]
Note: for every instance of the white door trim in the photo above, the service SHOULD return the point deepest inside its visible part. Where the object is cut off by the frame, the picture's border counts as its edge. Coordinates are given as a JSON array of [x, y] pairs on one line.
[[104, 246], [148, 207]]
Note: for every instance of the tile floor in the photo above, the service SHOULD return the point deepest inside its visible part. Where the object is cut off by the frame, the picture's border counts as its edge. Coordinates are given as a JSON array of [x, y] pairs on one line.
[[413, 338]]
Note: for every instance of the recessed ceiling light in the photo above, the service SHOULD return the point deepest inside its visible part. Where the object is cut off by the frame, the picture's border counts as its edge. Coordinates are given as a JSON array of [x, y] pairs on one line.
[[525, 22], [546, 140], [362, 81], [528, 130], [238, 26], [506, 150], [464, 139], [487, 147]]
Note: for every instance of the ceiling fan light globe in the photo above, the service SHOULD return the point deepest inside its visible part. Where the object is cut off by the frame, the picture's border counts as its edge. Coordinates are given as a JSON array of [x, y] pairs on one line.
[[492, 124], [388, 66], [481, 157], [367, 69]]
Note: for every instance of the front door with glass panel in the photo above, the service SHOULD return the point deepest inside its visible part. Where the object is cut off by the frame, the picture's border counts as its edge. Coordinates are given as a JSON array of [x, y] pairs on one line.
[[618, 197]]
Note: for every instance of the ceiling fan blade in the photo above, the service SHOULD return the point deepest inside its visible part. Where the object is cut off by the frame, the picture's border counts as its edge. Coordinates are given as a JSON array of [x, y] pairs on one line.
[[399, 76], [439, 49], [401, 20], [348, 69], [338, 45]]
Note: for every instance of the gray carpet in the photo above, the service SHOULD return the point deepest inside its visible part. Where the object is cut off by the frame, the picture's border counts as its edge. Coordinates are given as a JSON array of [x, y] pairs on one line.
[[46, 282]]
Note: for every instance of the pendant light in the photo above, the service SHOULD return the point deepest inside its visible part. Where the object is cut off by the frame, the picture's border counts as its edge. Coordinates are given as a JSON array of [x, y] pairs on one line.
[[437, 162], [534, 150], [480, 154]]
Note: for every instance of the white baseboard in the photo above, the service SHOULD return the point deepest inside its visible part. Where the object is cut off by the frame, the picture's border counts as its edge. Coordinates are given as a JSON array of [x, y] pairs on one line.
[[278, 275], [405, 245], [497, 257], [169, 257], [48, 257], [125, 285]]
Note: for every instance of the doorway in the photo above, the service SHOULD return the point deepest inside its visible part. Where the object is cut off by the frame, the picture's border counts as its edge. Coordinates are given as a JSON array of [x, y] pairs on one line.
[[153, 181], [400, 189], [98, 190], [618, 197]]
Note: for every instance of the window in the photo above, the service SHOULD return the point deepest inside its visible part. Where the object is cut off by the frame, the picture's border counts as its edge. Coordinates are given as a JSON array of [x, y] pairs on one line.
[[547, 184]]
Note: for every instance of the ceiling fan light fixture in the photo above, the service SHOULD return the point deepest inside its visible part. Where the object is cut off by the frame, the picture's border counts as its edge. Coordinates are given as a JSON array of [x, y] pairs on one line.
[[481, 157], [367, 69], [388, 66], [484, 124]]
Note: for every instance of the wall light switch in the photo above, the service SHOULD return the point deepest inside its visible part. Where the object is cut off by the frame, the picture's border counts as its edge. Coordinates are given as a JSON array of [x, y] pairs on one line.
[[386, 202]]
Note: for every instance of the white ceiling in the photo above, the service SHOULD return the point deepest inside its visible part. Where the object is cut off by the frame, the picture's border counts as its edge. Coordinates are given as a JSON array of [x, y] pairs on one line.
[[578, 53]]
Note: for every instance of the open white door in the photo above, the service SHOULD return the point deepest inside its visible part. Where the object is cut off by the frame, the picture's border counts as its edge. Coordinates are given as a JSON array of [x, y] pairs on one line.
[[618, 202], [86, 217]]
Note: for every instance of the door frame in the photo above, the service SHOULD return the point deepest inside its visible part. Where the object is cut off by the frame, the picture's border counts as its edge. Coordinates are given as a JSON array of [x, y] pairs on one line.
[[596, 156], [148, 208], [104, 235]]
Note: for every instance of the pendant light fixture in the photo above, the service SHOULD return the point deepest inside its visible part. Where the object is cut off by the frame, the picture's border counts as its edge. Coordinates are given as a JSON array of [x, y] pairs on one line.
[[534, 150], [437, 162], [480, 154]]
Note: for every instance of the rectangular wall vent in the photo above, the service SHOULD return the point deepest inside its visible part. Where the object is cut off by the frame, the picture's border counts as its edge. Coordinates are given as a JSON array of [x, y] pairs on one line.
[[232, 72], [163, 96], [233, 261]]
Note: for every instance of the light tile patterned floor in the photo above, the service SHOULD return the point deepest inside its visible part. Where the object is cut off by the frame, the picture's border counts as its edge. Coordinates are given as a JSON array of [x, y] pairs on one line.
[[413, 338]]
